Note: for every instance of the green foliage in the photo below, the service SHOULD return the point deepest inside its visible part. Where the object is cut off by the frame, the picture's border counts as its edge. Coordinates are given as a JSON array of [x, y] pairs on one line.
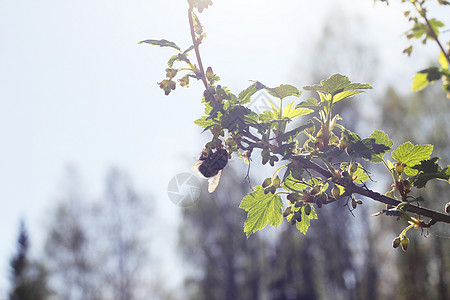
[[262, 208], [161, 43], [311, 178], [306, 213], [428, 76], [411, 155], [426, 29], [381, 138], [427, 170], [337, 84]]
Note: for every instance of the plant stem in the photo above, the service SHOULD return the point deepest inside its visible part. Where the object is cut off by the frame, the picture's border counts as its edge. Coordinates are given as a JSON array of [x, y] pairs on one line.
[[196, 48], [422, 12]]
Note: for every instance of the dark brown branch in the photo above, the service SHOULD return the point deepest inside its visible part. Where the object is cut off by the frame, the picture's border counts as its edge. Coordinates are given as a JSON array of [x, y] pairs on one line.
[[352, 188]]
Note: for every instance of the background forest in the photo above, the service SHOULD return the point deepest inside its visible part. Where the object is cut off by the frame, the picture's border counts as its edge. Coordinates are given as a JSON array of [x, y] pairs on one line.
[[128, 241]]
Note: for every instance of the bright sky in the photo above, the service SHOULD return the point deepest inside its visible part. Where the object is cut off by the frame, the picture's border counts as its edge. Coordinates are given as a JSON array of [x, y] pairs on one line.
[[76, 88]]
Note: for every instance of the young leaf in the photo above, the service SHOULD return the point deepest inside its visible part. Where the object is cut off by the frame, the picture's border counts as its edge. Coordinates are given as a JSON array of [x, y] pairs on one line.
[[292, 184], [161, 43], [360, 175], [382, 139], [283, 91], [429, 169], [291, 113], [262, 209], [366, 148], [204, 122], [336, 84], [420, 82], [200, 4], [411, 155], [311, 102], [346, 94], [245, 95], [304, 224], [443, 61]]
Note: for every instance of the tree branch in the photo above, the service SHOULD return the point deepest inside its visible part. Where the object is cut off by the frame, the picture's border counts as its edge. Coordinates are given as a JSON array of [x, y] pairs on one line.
[[352, 188], [196, 47]]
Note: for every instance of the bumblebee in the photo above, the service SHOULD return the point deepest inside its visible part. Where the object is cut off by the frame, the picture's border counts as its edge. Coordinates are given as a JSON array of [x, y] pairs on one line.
[[211, 165]]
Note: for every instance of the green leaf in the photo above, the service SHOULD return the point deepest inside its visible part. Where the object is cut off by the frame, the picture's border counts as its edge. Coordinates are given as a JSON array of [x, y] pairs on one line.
[[361, 175], [245, 95], [412, 155], [305, 223], [283, 91], [204, 122], [346, 94], [382, 139], [366, 148], [435, 24], [336, 84], [266, 115], [291, 113], [262, 209], [188, 49], [161, 43], [200, 4], [293, 184], [420, 82], [443, 61], [311, 102], [178, 57], [238, 118], [429, 169]]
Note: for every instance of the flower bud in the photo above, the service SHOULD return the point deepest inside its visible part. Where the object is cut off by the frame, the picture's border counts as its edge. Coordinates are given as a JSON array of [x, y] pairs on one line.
[[396, 242], [209, 73], [307, 209], [404, 242], [336, 192], [315, 189], [272, 189], [318, 202], [352, 168], [277, 182], [399, 167], [293, 197], [298, 216], [287, 211], [267, 182]]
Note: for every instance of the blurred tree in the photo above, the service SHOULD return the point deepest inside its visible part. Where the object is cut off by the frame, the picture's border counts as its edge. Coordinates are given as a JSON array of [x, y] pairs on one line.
[[70, 245], [224, 264], [422, 272], [121, 218], [95, 249], [28, 278]]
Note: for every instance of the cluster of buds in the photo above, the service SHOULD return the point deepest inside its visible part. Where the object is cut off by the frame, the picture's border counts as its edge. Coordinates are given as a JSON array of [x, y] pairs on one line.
[[403, 186], [295, 209], [401, 240], [271, 185]]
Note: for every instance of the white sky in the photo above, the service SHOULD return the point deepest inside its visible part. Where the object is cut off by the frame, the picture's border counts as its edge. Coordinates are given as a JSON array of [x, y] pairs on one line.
[[76, 88]]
